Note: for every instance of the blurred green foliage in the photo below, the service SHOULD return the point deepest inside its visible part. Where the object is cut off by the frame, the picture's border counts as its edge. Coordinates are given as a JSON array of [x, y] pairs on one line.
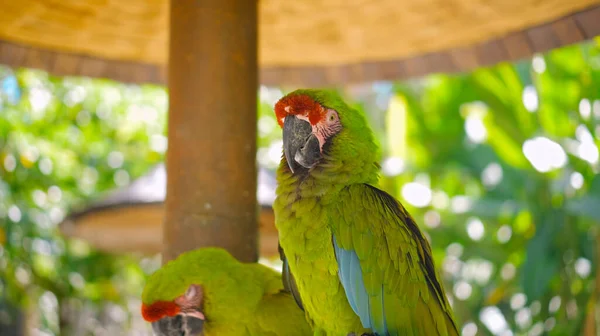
[[63, 141], [507, 158], [498, 166]]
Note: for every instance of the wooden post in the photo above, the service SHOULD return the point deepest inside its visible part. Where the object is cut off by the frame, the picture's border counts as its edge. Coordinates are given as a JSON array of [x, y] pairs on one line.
[[211, 166]]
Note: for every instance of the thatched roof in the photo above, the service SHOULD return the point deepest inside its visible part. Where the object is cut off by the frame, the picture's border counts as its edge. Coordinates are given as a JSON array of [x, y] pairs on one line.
[[311, 42]]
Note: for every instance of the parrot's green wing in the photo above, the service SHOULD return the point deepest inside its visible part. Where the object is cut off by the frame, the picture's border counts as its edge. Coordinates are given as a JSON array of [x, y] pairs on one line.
[[386, 268], [289, 282]]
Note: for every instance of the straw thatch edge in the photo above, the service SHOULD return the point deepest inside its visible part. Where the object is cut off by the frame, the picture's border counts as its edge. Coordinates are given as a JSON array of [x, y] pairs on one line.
[[567, 30]]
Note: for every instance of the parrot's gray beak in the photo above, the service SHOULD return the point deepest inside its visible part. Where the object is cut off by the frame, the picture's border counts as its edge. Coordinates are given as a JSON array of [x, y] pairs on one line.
[[178, 325], [300, 146]]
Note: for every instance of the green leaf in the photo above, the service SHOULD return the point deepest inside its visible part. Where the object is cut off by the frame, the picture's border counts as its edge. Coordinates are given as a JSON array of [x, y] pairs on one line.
[[585, 206], [542, 258], [506, 146]]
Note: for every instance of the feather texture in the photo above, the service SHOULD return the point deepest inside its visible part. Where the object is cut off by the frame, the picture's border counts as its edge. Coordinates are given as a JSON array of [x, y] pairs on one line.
[[385, 266], [289, 283]]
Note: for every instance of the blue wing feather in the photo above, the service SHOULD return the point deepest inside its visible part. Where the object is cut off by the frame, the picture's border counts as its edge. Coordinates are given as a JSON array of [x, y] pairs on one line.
[[344, 257], [351, 277]]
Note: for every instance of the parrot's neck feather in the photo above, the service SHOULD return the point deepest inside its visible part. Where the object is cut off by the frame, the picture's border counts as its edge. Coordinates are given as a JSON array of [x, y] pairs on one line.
[[327, 179]]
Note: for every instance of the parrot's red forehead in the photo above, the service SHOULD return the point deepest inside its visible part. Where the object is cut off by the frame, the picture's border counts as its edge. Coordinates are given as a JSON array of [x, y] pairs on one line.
[[299, 104], [158, 310]]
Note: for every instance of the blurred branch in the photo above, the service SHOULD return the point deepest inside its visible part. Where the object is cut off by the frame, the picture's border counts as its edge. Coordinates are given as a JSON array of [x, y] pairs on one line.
[[592, 322], [46, 283]]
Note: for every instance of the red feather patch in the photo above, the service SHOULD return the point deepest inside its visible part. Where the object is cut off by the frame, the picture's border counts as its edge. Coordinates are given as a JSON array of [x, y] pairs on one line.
[[299, 104], [158, 310]]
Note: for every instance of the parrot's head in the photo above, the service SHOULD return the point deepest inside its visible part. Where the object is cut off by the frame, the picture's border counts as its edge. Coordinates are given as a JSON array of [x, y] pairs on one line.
[[199, 287], [319, 129]]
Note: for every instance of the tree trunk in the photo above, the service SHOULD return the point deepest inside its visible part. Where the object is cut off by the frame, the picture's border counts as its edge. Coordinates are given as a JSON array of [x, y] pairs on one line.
[[211, 165]]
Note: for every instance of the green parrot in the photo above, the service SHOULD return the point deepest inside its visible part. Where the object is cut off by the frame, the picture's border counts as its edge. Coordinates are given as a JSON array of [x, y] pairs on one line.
[[360, 264], [207, 291]]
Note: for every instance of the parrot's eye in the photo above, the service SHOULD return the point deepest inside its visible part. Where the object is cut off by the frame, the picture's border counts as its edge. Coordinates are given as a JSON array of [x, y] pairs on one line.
[[331, 116]]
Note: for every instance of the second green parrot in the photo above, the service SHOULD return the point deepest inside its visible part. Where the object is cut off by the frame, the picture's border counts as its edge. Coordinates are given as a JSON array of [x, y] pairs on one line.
[[361, 264], [208, 291]]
